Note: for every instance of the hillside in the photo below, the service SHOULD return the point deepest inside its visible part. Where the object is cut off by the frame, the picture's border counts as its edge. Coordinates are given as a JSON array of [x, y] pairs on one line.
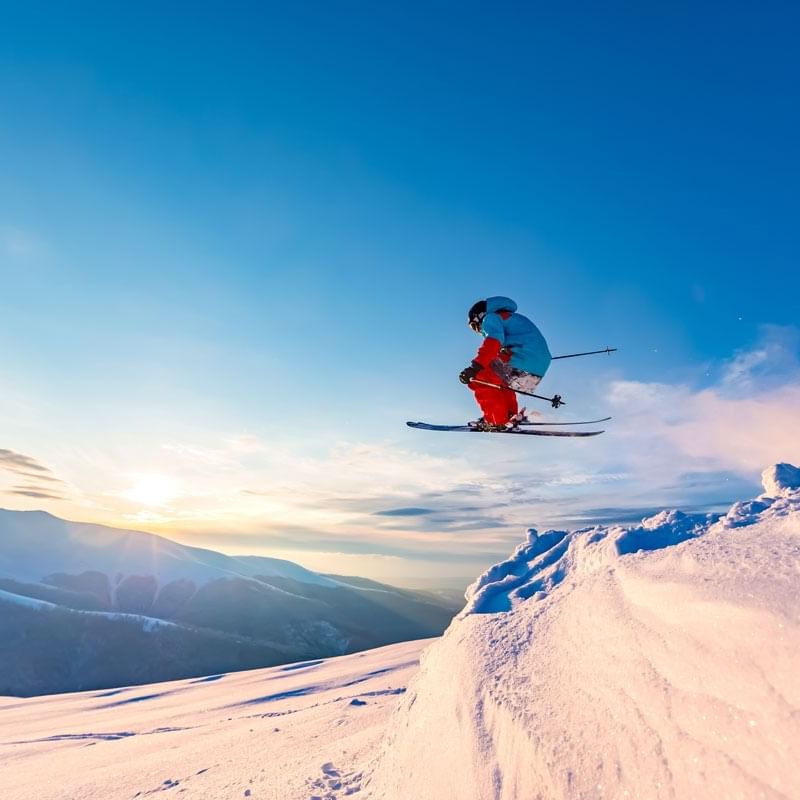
[[300, 730], [91, 607], [655, 661]]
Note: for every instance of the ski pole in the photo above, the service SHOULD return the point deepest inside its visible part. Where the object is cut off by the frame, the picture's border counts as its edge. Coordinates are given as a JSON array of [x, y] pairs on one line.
[[590, 353], [554, 401]]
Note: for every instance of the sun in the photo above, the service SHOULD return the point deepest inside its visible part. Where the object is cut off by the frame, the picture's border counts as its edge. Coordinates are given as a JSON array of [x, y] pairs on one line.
[[152, 489]]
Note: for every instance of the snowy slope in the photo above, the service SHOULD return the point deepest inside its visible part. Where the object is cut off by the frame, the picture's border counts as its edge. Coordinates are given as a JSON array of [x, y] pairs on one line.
[[297, 731], [655, 661], [659, 661]]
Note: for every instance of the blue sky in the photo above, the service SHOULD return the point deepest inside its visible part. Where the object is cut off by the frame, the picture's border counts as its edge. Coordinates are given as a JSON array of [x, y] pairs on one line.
[[236, 252]]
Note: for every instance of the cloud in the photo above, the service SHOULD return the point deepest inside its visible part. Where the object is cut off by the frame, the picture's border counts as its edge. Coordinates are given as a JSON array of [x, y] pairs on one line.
[[41, 483], [749, 418], [16, 462], [707, 430], [301, 539], [49, 478], [404, 512], [773, 361], [36, 493], [741, 434], [622, 515], [246, 443]]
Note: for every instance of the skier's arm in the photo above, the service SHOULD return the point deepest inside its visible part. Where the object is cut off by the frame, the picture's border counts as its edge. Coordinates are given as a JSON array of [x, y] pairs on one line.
[[494, 341]]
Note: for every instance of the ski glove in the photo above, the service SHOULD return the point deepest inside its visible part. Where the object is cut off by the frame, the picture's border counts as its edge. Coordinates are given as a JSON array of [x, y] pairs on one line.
[[470, 372]]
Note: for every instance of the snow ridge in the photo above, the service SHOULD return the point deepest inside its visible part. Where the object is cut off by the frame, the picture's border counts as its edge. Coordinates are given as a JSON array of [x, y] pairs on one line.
[[543, 561], [147, 624], [655, 660]]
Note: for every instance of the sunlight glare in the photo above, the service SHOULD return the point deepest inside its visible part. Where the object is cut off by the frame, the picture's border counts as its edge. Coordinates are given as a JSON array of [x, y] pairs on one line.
[[152, 490]]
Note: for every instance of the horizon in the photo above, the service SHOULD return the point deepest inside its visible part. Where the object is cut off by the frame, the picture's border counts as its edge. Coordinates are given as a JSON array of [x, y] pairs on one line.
[[403, 581], [435, 580], [237, 253]]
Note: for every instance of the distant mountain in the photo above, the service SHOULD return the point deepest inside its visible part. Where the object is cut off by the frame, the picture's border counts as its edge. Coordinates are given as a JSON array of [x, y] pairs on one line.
[[87, 606]]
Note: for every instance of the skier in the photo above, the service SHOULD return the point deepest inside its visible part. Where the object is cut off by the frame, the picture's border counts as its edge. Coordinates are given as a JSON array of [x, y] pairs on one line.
[[514, 355]]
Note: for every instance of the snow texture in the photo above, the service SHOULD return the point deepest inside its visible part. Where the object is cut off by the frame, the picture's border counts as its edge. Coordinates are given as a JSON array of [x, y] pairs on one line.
[[652, 661], [27, 602], [304, 730], [781, 480], [655, 661]]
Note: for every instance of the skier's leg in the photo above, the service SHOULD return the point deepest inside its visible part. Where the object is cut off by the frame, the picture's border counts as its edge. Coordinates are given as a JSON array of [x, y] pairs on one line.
[[504, 372], [511, 403], [494, 403], [524, 381]]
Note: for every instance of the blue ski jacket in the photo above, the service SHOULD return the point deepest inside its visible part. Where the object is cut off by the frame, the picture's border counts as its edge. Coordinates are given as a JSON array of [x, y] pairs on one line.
[[517, 334]]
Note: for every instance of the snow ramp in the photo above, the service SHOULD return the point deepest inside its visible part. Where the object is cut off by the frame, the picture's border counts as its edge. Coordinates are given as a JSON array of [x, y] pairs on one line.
[[656, 661]]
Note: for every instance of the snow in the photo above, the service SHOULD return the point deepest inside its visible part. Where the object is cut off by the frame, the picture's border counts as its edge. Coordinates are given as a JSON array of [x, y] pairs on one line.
[[781, 480], [297, 731], [655, 661], [148, 624], [27, 602], [658, 660]]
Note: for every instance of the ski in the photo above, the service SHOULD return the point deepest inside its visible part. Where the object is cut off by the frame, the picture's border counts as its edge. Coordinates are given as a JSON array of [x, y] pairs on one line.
[[427, 426], [585, 422]]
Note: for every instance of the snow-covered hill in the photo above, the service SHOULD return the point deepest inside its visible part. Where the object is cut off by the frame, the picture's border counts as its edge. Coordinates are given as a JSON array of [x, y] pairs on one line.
[[659, 661], [654, 661], [296, 731], [87, 606]]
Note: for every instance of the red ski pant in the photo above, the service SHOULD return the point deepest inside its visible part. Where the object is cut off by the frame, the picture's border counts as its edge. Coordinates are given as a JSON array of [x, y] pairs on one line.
[[497, 405]]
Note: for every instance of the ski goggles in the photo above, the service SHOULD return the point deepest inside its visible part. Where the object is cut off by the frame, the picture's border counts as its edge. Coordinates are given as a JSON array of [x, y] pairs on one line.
[[476, 322]]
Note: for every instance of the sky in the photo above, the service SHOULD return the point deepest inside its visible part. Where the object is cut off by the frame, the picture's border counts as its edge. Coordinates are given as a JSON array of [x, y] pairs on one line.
[[237, 247]]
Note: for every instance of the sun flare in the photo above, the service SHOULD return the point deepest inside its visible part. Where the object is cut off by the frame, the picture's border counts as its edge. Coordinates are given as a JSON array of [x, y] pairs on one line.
[[152, 490]]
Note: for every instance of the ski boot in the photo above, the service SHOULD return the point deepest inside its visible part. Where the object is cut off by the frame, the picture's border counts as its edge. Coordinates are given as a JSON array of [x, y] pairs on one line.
[[482, 425], [515, 420]]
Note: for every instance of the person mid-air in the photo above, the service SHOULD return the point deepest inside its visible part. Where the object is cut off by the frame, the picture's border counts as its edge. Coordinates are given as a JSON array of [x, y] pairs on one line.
[[513, 356]]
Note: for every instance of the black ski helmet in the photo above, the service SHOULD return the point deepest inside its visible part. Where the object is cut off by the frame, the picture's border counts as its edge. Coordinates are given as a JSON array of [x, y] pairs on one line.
[[476, 314]]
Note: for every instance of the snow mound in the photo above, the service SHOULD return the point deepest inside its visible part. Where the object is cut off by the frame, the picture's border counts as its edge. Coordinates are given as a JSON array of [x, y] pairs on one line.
[[781, 480], [544, 560], [656, 660]]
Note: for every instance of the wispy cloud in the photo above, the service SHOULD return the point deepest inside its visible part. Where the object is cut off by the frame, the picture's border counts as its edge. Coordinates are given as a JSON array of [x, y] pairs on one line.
[[772, 361], [41, 482], [404, 512], [674, 429], [301, 539], [29, 491], [17, 462], [681, 444]]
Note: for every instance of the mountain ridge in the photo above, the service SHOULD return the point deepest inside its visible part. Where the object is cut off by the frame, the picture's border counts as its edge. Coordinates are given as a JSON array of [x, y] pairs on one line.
[[98, 586]]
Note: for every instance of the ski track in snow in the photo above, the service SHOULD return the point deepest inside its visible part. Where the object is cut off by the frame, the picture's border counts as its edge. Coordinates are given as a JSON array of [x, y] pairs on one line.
[[199, 738]]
